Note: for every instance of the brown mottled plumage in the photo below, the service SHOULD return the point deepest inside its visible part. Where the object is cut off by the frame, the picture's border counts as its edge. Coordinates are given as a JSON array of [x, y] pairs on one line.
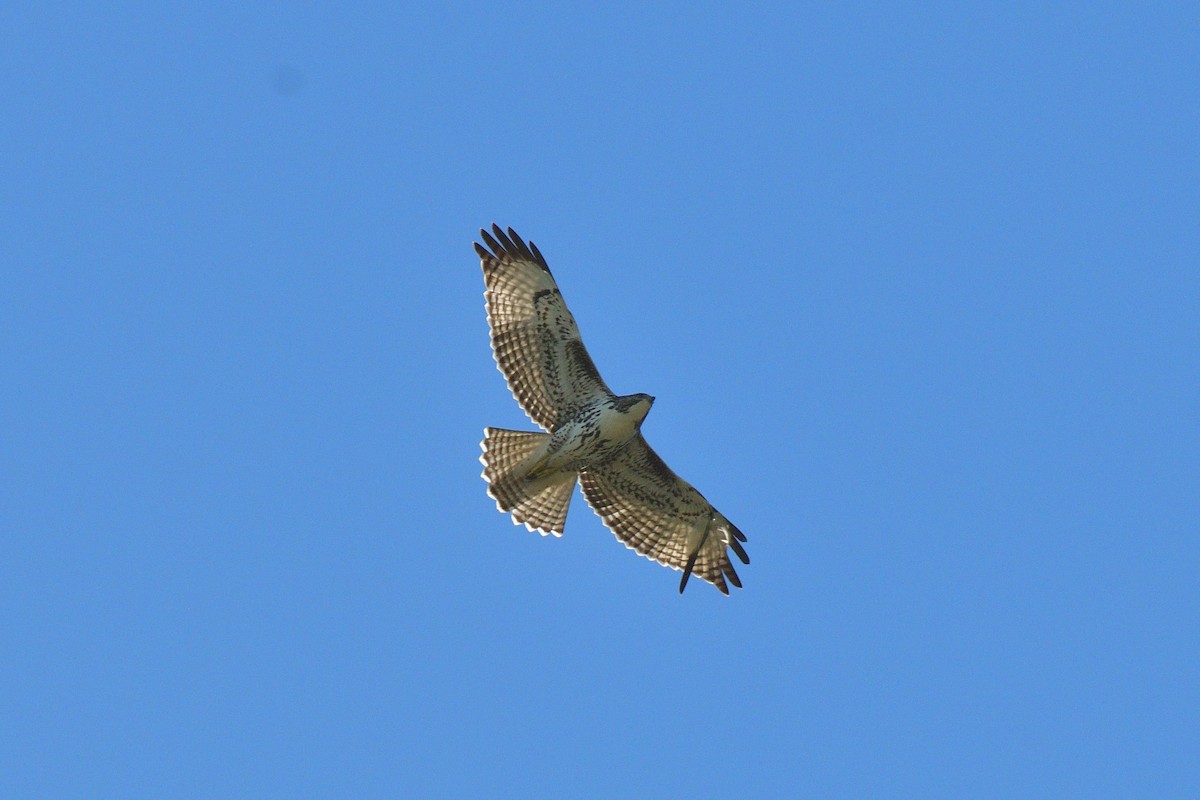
[[592, 435]]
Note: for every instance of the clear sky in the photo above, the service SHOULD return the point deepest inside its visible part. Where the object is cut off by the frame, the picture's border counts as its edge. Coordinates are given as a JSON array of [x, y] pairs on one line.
[[916, 288]]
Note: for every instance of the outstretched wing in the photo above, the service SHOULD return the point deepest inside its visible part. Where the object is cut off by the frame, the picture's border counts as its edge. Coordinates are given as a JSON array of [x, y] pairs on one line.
[[534, 337], [660, 515]]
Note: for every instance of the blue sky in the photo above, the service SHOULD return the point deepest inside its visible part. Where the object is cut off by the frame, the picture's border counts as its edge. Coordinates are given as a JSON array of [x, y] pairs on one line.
[[916, 288]]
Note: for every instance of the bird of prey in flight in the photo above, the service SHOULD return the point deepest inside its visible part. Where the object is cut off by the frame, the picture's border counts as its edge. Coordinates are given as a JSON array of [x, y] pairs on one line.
[[591, 435]]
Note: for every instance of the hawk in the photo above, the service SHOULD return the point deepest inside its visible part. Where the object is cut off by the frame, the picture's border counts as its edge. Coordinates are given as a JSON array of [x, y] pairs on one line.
[[591, 435]]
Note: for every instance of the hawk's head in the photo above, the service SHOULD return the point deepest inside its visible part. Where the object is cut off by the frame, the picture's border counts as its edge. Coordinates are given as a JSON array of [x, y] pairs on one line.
[[636, 405]]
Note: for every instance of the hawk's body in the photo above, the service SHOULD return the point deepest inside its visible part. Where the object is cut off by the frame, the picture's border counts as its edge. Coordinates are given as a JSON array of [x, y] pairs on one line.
[[593, 435]]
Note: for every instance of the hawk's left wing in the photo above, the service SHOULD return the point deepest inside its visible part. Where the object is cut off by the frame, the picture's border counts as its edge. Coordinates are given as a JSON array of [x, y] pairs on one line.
[[662, 516], [534, 337]]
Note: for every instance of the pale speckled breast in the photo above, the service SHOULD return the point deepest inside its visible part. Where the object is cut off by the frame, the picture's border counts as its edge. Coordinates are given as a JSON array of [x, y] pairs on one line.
[[592, 435]]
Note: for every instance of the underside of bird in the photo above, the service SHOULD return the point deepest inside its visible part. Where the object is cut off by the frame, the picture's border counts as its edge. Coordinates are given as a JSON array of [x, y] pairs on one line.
[[592, 435]]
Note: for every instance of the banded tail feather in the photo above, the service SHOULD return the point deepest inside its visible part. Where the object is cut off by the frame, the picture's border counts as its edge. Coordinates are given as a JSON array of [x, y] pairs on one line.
[[542, 504]]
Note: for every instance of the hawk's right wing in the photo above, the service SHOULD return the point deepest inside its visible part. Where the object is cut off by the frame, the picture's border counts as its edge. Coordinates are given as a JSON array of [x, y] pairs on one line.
[[534, 337], [662, 516]]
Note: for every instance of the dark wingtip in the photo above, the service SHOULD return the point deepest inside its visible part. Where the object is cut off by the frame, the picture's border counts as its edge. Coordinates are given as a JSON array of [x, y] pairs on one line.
[[538, 255], [741, 551], [687, 571], [718, 581], [735, 541], [502, 237], [510, 244], [492, 244], [731, 575]]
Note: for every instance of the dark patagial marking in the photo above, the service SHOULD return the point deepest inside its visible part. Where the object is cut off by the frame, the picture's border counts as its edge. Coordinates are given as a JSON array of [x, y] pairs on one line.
[[579, 356], [659, 468]]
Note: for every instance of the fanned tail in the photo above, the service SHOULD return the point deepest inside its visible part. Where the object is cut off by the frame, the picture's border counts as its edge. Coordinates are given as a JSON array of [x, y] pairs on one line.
[[546, 512], [541, 504]]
